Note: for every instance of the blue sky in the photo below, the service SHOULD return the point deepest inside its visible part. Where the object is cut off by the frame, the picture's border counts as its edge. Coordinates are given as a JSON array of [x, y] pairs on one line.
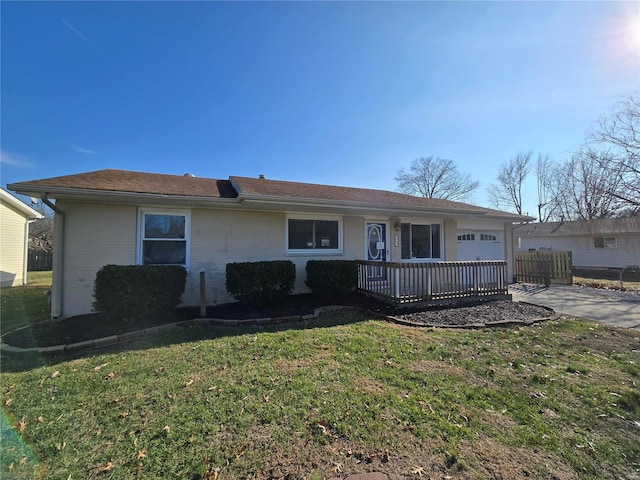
[[344, 93]]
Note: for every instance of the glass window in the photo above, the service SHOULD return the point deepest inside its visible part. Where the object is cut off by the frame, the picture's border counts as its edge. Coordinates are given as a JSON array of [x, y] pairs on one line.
[[420, 241], [466, 237], [311, 234], [605, 242], [163, 239], [485, 237], [435, 240]]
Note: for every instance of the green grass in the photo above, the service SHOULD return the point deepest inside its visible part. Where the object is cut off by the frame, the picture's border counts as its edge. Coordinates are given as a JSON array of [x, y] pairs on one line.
[[26, 304], [342, 395]]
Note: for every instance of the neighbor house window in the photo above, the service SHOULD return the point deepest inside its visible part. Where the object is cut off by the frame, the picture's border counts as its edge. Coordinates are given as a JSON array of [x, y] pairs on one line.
[[605, 242], [420, 241], [163, 238], [319, 235]]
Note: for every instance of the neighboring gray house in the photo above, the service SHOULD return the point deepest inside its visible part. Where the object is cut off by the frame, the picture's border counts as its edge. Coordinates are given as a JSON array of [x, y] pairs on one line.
[[611, 242], [122, 217], [15, 217]]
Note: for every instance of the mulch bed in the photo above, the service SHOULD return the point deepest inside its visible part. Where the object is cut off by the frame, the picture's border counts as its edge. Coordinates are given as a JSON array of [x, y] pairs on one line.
[[93, 326], [499, 311]]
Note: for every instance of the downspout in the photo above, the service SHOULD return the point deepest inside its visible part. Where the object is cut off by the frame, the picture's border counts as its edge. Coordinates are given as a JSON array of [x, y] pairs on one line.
[[26, 251], [58, 265]]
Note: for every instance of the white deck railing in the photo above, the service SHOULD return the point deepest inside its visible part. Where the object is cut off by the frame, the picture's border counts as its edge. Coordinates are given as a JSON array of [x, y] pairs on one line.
[[411, 283]]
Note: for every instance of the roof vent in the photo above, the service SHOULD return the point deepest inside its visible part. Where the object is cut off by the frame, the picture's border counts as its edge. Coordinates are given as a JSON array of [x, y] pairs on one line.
[[189, 175], [261, 176]]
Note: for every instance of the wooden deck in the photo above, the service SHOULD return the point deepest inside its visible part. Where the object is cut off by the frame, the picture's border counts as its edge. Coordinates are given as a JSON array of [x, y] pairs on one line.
[[410, 284]]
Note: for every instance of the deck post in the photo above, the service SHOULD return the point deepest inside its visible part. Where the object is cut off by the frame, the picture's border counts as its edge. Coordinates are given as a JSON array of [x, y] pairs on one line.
[[396, 272]]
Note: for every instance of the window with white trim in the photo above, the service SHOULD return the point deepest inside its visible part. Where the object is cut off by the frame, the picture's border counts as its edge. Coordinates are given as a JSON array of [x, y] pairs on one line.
[[163, 237], [466, 237], [485, 237], [314, 234], [605, 242], [420, 241]]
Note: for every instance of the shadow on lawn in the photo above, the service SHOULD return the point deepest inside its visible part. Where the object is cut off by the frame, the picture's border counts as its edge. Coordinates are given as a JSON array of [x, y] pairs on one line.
[[28, 360], [94, 326]]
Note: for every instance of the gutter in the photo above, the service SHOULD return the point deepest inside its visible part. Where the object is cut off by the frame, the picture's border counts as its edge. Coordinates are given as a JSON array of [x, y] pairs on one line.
[[265, 200], [119, 196], [58, 264]]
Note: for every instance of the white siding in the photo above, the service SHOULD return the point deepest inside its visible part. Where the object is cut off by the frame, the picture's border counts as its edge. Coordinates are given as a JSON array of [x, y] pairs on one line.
[[12, 244], [584, 254]]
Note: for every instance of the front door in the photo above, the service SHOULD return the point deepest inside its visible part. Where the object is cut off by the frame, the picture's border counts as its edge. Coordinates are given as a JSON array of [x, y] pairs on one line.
[[376, 248]]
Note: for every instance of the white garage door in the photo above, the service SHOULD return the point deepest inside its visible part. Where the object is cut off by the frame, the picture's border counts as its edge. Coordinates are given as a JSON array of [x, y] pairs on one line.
[[480, 245]]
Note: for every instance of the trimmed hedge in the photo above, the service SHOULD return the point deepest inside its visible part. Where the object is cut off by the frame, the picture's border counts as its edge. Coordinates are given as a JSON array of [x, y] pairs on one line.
[[138, 292], [332, 276], [260, 283]]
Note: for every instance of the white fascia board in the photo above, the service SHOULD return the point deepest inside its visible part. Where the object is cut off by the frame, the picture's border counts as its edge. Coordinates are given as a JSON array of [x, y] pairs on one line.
[[19, 205]]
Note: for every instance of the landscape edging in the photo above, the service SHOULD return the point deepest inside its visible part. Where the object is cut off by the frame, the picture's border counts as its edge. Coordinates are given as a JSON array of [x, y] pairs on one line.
[[116, 339]]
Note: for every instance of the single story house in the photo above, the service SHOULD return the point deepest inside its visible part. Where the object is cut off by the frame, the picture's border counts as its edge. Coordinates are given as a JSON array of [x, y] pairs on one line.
[[15, 217], [124, 217], [609, 242]]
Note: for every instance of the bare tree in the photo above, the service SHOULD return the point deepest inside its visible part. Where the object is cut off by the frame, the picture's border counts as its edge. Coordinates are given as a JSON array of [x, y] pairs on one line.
[[41, 231], [507, 192], [579, 186], [618, 140], [545, 177], [435, 178]]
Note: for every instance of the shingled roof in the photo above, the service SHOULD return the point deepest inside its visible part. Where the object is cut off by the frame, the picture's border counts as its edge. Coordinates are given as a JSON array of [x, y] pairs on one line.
[[260, 187], [603, 226], [242, 188], [123, 181]]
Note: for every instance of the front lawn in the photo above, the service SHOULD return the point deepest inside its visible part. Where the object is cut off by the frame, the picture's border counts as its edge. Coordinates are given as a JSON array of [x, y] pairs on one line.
[[344, 395]]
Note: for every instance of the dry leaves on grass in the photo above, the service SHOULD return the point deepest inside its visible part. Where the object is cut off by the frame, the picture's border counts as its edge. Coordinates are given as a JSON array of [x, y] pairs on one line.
[[99, 367], [21, 425], [106, 468]]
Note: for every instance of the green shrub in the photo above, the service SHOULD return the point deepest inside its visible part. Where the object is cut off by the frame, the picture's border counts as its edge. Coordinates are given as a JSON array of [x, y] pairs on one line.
[[138, 292], [332, 276], [260, 283]]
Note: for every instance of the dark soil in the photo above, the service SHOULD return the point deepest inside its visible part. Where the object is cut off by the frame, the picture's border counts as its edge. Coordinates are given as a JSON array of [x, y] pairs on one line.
[[93, 326]]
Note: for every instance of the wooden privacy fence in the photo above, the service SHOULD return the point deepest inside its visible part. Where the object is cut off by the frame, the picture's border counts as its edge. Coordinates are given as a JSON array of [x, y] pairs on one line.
[[39, 261], [544, 267], [405, 284]]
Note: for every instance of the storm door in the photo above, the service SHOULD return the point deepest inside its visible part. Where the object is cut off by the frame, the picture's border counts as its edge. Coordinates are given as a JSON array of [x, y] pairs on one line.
[[376, 249]]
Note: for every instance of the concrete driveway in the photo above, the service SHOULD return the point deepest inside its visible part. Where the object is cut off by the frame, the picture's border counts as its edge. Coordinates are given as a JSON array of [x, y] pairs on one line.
[[621, 309]]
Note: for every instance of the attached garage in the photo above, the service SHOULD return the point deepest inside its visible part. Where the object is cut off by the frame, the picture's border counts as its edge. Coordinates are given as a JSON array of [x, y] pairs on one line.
[[481, 245]]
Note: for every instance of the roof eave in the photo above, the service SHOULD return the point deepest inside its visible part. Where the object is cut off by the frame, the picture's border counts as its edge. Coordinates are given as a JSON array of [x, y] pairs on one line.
[[112, 196], [268, 200], [23, 208]]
